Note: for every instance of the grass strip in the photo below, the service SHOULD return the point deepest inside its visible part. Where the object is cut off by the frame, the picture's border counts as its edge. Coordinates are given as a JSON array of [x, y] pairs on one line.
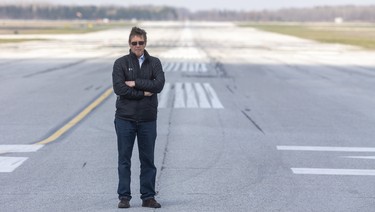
[[357, 35], [5, 40]]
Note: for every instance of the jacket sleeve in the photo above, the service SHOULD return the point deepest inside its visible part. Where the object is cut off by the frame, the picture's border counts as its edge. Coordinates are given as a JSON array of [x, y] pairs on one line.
[[156, 84], [119, 86]]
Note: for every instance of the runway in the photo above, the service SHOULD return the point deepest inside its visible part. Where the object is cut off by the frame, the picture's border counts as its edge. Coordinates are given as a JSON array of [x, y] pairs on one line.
[[248, 121]]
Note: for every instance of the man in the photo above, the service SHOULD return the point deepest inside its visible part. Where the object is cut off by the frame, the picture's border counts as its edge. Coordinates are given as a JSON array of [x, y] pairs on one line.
[[137, 78]]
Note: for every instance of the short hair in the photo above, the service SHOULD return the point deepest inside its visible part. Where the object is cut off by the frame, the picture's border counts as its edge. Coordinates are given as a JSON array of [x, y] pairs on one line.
[[136, 31]]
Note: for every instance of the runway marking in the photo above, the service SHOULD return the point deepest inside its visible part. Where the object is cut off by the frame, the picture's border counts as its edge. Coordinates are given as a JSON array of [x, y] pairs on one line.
[[19, 148], [189, 95], [191, 100], [179, 101], [326, 148], [360, 157], [9, 164], [77, 118], [212, 96], [327, 171], [202, 99], [317, 171], [163, 96], [185, 67]]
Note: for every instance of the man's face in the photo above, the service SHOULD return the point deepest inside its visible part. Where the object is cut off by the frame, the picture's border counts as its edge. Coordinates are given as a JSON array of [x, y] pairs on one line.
[[137, 45]]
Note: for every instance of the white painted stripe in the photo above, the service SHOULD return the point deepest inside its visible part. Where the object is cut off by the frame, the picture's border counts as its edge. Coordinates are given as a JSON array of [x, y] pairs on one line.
[[19, 148], [314, 171], [360, 157], [212, 96], [196, 67], [177, 67], [9, 164], [184, 66], [202, 98], [179, 97], [191, 67], [326, 148], [204, 67], [163, 96], [191, 100], [166, 67], [188, 95], [172, 67]]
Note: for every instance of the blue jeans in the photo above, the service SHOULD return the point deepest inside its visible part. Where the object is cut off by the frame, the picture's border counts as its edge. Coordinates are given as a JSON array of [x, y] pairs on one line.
[[145, 132]]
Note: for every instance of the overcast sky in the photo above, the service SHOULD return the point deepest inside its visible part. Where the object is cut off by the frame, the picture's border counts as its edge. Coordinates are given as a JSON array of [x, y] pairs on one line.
[[195, 5]]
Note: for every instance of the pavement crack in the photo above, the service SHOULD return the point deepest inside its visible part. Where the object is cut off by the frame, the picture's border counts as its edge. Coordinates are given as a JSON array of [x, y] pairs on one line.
[[252, 121], [230, 89], [56, 68], [164, 153]]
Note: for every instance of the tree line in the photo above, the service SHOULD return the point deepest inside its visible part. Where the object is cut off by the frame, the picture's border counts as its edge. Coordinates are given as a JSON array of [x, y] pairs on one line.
[[60, 12], [348, 13], [315, 14]]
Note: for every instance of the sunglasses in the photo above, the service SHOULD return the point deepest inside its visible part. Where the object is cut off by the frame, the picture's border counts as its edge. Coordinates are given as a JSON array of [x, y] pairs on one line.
[[134, 43]]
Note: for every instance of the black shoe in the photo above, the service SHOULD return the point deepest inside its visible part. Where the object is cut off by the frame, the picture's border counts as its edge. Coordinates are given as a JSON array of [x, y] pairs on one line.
[[150, 203], [124, 203]]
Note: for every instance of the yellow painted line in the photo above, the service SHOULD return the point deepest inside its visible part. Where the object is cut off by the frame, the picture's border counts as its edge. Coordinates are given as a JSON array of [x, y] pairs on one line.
[[77, 118]]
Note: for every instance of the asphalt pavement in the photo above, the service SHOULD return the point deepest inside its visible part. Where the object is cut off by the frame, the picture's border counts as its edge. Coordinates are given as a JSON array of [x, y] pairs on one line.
[[248, 121]]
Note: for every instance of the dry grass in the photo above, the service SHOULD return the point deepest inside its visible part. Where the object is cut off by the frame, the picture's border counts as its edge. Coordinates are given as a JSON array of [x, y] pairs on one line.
[[11, 27], [358, 34]]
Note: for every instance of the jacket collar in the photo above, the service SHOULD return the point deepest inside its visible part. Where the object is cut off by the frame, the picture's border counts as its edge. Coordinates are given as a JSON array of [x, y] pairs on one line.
[[145, 53]]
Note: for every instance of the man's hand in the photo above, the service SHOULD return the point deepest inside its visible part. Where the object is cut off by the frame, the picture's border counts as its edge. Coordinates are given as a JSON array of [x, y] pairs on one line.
[[130, 83], [146, 93]]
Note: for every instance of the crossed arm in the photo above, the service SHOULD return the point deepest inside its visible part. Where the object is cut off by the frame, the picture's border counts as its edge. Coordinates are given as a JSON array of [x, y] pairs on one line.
[[131, 84], [138, 88]]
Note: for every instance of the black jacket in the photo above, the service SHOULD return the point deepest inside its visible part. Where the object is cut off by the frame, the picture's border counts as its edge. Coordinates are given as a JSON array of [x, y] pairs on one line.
[[131, 104]]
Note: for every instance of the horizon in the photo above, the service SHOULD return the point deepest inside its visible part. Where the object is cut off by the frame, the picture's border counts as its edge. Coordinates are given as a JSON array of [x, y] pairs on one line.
[[235, 5]]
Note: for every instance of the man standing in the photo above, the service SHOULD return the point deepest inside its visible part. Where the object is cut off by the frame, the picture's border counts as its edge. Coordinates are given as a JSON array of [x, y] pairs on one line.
[[137, 78]]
